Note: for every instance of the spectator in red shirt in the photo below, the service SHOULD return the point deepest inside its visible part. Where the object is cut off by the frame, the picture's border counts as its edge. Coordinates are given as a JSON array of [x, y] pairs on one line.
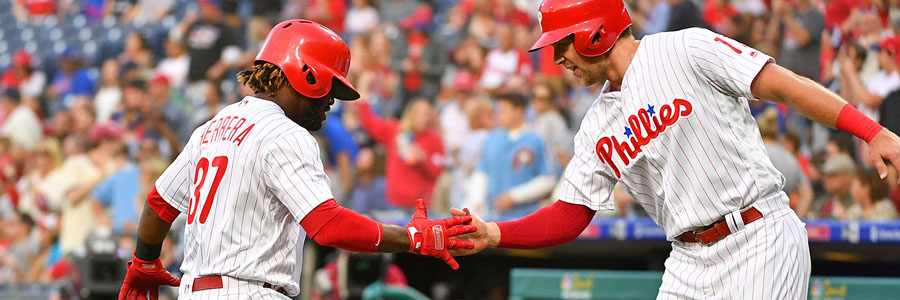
[[837, 11], [414, 151], [328, 13], [24, 77], [717, 12], [26, 9]]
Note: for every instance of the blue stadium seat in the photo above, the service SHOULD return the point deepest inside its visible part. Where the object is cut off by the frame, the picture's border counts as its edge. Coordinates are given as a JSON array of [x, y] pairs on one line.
[[27, 34], [79, 21], [90, 49], [115, 35], [85, 34], [31, 46], [109, 22], [59, 47], [50, 22], [5, 61], [6, 15], [55, 34]]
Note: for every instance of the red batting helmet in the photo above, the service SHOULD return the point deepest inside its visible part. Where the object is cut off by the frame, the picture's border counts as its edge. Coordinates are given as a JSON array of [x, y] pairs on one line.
[[314, 59], [596, 24]]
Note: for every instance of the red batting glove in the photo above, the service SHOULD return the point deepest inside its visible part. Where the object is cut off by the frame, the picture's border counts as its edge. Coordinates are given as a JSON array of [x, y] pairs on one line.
[[145, 276], [432, 237]]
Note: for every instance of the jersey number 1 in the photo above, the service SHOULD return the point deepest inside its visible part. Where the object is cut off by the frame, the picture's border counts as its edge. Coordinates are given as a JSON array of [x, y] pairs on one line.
[[221, 164], [717, 39]]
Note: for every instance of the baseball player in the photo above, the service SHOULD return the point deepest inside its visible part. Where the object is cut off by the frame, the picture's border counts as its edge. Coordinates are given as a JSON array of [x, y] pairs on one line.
[[251, 183], [673, 126]]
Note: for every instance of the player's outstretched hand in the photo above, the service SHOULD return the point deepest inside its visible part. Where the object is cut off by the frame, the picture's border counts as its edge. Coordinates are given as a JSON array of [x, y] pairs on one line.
[[145, 277], [487, 235], [433, 237], [885, 146]]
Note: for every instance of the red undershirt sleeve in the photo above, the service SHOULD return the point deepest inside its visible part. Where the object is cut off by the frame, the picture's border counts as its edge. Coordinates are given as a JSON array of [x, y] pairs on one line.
[[332, 225], [550, 226], [162, 208]]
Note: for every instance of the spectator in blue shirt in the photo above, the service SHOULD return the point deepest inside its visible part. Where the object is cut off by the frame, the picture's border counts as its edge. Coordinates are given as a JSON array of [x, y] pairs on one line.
[[514, 172], [368, 193], [341, 151], [71, 82], [123, 193]]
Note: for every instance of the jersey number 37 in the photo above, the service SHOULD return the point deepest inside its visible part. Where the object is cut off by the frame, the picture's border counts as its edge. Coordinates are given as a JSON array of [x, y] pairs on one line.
[[221, 164]]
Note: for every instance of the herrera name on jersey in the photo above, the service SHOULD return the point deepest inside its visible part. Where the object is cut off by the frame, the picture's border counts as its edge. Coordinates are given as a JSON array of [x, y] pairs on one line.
[[225, 128]]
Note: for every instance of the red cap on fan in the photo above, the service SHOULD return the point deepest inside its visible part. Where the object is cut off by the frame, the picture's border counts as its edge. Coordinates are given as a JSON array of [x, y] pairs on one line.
[[160, 78], [891, 44], [21, 59]]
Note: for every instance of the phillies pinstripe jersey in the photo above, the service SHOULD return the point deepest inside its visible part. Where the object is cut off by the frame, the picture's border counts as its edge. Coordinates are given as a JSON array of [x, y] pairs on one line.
[[246, 179], [678, 135]]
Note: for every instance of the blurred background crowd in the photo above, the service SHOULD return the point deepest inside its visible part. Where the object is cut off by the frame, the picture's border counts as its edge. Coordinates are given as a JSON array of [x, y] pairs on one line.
[[97, 96]]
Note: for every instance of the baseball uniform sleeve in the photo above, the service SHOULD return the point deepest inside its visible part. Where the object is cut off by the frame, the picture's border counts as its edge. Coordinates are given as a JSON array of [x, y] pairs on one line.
[[174, 185], [726, 64], [584, 183], [294, 173]]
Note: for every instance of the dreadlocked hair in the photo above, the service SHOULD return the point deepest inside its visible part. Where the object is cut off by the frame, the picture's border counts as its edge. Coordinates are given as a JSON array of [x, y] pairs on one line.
[[263, 78]]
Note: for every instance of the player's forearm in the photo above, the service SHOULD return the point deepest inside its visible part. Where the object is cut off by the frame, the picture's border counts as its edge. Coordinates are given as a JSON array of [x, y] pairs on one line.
[[811, 99], [396, 239], [151, 233], [152, 229]]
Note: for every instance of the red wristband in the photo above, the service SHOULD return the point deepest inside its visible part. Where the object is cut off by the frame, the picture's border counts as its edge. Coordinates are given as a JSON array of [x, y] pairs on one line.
[[854, 122]]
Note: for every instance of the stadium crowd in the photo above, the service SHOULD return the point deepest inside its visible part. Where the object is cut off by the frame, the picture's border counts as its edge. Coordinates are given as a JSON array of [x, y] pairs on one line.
[[454, 108]]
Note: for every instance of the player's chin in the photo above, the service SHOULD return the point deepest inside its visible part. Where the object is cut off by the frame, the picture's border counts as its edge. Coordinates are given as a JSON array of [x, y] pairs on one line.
[[312, 122], [589, 80], [584, 81], [313, 126]]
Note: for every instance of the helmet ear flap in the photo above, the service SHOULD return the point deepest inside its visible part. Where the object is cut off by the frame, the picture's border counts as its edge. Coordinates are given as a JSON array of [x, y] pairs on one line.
[[309, 81], [310, 77], [598, 35], [587, 42]]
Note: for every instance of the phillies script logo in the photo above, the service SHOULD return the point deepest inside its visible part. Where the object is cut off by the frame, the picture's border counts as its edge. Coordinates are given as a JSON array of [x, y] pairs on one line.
[[642, 127]]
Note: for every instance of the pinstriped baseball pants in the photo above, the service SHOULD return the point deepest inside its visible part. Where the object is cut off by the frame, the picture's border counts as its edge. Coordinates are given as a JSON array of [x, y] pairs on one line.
[[768, 259]]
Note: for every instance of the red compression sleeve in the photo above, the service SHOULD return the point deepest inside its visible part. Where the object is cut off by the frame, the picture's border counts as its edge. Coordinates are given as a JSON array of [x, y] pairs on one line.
[[162, 208], [332, 225], [856, 123], [550, 226]]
